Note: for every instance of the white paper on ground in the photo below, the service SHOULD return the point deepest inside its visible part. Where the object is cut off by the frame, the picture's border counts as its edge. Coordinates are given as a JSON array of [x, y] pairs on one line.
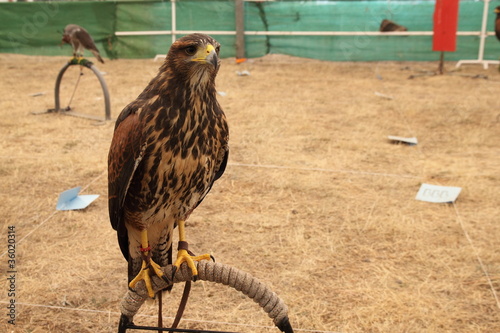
[[438, 194], [70, 200], [410, 141], [383, 95]]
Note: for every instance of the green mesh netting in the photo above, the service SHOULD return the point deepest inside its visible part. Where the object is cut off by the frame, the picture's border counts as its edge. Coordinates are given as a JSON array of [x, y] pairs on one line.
[[35, 28]]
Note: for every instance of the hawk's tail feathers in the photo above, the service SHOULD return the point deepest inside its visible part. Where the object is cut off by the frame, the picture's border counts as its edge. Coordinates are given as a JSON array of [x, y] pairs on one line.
[[97, 55]]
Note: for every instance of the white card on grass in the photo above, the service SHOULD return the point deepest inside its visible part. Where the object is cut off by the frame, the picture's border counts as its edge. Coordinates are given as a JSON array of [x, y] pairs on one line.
[[410, 141], [438, 194], [70, 200]]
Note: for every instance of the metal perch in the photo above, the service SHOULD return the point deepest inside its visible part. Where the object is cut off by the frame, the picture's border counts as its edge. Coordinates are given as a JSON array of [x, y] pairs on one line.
[[67, 110], [212, 272]]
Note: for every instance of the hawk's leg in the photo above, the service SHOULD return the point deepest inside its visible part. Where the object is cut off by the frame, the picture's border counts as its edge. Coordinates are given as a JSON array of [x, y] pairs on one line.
[[147, 265], [77, 58], [184, 255]]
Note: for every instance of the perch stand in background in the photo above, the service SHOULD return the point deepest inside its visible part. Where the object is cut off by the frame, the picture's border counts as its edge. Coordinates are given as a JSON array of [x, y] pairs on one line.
[[67, 110]]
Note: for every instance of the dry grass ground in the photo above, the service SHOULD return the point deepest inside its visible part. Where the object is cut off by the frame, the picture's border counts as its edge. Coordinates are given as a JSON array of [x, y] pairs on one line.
[[316, 202]]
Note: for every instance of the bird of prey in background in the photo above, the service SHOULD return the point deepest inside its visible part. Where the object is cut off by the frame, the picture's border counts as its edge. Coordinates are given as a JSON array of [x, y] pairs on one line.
[[497, 23], [169, 146], [80, 40], [388, 26]]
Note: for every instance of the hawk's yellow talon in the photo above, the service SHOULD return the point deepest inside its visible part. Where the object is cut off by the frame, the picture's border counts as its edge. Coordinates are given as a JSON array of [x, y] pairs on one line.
[[184, 256], [156, 268], [144, 274]]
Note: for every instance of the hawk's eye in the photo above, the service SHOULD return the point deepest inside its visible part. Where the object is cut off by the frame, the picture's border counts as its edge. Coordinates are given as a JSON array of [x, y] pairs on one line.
[[217, 49], [190, 50]]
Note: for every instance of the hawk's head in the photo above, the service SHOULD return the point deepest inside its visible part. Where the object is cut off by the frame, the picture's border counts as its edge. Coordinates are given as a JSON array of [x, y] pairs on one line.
[[195, 57], [66, 39]]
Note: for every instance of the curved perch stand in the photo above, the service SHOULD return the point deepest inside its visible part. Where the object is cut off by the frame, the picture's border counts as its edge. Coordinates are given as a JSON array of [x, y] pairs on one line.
[[212, 272], [89, 65]]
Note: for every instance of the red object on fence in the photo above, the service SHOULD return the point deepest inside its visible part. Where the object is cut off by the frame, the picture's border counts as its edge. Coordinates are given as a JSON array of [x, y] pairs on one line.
[[445, 25]]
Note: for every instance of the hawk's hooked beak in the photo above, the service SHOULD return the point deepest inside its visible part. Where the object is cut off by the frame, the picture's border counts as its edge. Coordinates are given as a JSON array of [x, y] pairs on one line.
[[207, 55]]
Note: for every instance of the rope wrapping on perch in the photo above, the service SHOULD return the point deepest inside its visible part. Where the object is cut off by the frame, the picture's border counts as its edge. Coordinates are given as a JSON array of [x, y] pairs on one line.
[[218, 273]]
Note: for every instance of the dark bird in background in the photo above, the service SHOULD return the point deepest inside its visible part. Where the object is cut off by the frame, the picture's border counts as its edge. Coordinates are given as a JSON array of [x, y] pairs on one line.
[[169, 146], [497, 23], [387, 26], [80, 40]]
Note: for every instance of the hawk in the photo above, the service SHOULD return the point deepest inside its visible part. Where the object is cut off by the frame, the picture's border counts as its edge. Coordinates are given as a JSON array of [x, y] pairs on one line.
[[388, 26], [80, 39], [497, 23], [169, 146]]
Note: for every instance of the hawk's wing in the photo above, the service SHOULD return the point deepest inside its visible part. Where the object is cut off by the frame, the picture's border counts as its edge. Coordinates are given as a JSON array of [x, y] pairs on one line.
[[87, 42], [219, 170], [221, 166], [497, 28], [85, 39], [125, 154]]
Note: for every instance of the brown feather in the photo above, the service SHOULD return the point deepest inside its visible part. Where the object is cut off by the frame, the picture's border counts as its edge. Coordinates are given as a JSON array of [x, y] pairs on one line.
[[497, 27]]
